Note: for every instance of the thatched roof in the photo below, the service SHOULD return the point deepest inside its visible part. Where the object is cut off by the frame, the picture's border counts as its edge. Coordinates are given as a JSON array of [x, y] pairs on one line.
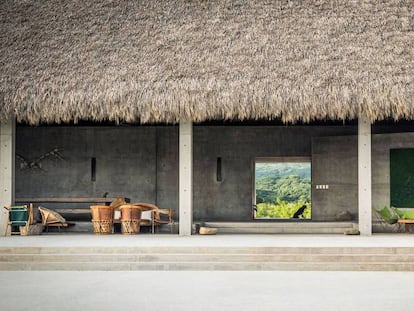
[[171, 60]]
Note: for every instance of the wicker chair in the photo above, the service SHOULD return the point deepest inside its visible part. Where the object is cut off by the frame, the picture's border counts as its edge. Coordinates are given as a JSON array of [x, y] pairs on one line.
[[153, 216]]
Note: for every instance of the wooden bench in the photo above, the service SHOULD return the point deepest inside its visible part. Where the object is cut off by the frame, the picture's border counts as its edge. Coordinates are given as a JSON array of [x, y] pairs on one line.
[[70, 200], [407, 223], [106, 201]]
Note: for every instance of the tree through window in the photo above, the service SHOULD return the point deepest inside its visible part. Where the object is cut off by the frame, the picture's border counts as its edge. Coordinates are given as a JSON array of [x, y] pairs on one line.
[[282, 188]]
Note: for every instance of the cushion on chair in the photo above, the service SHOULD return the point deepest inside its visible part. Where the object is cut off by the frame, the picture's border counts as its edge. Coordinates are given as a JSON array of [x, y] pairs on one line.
[[18, 214], [117, 203], [404, 214], [146, 215]]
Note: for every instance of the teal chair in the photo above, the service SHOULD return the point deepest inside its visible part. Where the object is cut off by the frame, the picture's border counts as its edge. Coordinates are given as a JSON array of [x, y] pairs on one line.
[[19, 216]]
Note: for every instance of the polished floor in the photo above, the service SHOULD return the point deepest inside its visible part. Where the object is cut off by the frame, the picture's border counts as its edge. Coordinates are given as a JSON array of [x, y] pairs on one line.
[[206, 290]]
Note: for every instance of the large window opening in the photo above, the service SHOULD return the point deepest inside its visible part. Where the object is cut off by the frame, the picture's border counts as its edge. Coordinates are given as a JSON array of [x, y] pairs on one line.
[[282, 188]]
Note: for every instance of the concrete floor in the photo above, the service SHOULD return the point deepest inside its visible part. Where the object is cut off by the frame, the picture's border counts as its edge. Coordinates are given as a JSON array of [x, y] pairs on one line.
[[264, 240], [204, 291]]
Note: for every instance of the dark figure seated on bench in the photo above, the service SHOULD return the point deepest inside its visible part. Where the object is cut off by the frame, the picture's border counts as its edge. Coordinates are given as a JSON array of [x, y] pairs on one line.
[[299, 212]]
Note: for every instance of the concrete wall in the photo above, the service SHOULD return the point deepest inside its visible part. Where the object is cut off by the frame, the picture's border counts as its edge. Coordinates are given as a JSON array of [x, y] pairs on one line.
[[334, 162], [130, 161], [142, 163], [238, 146], [167, 167]]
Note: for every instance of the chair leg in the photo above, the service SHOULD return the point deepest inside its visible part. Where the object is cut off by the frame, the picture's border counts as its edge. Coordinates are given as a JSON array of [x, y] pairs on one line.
[[152, 222]]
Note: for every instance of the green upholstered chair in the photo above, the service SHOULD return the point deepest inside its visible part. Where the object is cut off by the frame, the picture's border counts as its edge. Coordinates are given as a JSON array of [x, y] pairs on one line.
[[19, 216], [389, 218], [387, 215]]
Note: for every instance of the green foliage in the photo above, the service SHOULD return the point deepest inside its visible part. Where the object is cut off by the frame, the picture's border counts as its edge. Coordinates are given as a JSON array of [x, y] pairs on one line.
[[288, 188], [282, 188], [281, 210]]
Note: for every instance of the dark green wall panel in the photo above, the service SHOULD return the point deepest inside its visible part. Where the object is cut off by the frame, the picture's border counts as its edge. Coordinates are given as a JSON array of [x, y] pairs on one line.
[[402, 177]]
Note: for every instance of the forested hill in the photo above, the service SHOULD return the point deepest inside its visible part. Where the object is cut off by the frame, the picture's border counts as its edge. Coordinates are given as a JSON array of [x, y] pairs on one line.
[[288, 182], [282, 169]]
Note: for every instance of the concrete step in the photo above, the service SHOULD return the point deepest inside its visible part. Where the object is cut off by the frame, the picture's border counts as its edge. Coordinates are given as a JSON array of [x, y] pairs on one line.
[[207, 250], [228, 266], [208, 258], [161, 258]]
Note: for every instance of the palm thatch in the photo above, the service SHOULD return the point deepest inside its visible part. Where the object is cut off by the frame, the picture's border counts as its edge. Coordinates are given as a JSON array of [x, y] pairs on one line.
[[171, 60]]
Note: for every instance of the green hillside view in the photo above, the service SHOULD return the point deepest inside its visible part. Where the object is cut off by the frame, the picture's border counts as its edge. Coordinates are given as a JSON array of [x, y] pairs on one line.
[[282, 188], [301, 169]]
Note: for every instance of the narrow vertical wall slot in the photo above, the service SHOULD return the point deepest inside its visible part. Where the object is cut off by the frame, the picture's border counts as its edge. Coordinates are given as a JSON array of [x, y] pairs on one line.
[[218, 172], [93, 169]]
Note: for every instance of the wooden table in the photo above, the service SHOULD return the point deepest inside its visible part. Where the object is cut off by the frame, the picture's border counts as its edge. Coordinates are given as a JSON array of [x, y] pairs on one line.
[[407, 223]]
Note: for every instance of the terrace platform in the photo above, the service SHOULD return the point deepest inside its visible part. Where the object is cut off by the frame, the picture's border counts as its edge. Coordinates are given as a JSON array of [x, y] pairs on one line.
[[83, 252]]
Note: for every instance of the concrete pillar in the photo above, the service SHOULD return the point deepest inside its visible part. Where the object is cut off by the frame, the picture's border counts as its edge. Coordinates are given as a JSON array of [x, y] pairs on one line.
[[185, 178], [364, 177], [7, 155]]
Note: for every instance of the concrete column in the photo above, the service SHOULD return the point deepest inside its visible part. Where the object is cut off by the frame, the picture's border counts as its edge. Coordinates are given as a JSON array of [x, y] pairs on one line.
[[364, 177], [185, 178], [7, 155]]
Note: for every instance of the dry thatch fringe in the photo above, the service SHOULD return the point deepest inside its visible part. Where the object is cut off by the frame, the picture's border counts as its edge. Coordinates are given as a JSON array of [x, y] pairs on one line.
[[165, 61]]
